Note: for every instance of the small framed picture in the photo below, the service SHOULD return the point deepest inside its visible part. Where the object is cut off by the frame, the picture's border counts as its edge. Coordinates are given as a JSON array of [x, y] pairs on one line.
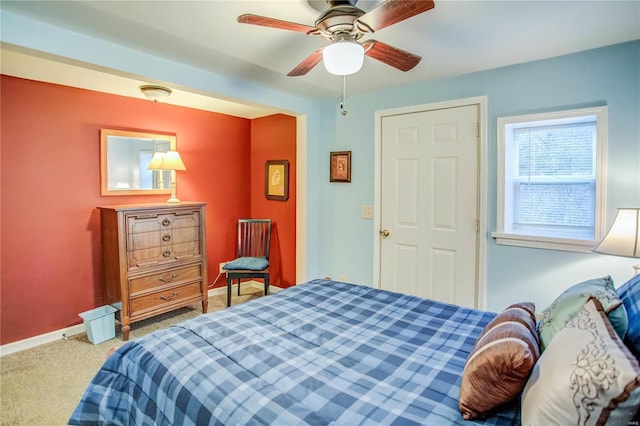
[[276, 180], [340, 166]]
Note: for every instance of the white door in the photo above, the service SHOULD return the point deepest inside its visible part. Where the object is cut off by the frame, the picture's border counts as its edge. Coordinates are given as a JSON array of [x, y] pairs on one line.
[[429, 204]]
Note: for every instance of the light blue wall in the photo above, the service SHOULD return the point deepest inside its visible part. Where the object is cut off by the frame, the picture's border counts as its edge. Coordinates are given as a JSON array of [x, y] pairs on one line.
[[339, 241], [607, 76]]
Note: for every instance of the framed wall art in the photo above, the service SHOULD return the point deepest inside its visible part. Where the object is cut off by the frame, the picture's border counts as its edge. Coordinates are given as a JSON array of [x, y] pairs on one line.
[[340, 166], [276, 180]]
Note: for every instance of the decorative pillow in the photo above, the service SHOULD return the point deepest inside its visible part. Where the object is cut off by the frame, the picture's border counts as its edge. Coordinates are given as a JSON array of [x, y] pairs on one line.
[[500, 362], [247, 263], [630, 295], [587, 376], [571, 302]]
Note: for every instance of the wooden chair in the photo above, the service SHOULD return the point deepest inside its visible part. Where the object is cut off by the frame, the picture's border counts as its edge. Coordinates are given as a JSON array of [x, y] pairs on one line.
[[254, 239]]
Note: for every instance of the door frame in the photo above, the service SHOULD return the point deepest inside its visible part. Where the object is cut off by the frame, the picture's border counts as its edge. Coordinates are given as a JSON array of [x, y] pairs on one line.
[[481, 102]]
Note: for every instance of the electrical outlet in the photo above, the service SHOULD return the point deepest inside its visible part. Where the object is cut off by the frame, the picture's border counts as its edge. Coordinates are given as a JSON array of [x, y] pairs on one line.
[[222, 271]]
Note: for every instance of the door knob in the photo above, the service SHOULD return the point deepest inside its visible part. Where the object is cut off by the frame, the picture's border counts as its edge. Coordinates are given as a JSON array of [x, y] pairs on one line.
[[384, 233]]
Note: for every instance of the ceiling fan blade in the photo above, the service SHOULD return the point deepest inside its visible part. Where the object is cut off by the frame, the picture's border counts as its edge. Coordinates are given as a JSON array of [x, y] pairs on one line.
[[264, 21], [307, 64], [391, 12], [397, 58]]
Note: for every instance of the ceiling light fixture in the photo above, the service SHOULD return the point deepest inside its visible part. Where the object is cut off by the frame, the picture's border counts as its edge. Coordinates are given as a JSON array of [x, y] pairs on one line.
[[155, 93], [344, 56]]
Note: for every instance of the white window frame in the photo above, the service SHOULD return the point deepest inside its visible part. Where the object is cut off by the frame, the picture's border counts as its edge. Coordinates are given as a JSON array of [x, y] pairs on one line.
[[553, 243]]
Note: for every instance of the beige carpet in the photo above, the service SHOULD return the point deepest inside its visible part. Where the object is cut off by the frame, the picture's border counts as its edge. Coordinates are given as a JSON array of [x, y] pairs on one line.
[[43, 385]]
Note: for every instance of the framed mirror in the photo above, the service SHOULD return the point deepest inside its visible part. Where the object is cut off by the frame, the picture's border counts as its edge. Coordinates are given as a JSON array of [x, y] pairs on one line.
[[124, 158]]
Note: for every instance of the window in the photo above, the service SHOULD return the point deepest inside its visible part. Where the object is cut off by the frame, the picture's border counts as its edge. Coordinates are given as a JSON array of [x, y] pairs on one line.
[[551, 179]]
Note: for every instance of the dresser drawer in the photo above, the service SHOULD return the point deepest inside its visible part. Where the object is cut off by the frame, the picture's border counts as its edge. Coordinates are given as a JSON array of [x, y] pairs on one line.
[[155, 256], [150, 222], [155, 240], [191, 220], [160, 300], [148, 240], [172, 277], [141, 224]]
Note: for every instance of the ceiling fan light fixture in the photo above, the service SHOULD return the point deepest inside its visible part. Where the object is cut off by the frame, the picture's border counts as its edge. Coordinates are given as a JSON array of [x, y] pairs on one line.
[[155, 93], [344, 56]]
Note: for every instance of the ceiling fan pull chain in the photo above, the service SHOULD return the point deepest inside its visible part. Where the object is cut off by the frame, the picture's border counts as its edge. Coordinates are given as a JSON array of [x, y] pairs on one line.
[[344, 95]]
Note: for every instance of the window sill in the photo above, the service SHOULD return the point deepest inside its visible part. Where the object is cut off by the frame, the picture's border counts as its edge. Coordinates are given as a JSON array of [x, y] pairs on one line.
[[563, 244]]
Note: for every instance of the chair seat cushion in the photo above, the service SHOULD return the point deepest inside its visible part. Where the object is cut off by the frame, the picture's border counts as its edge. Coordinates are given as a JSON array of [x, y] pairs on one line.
[[247, 263]]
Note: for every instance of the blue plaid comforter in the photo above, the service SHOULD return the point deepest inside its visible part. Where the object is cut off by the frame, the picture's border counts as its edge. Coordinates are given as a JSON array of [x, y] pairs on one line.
[[317, 353]]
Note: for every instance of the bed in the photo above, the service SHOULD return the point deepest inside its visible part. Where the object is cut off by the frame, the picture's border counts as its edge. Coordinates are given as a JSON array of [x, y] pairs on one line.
[[318, 353]]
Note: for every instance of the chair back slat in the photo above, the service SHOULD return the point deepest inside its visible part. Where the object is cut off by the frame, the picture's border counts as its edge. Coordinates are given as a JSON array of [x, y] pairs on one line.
[[254, 237]]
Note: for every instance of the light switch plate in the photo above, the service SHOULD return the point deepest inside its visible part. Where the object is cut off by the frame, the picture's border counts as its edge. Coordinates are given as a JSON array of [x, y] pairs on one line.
[[367, 212]]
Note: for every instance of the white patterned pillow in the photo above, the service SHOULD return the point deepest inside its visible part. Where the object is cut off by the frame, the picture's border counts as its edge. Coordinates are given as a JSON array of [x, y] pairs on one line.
[[586, 376]]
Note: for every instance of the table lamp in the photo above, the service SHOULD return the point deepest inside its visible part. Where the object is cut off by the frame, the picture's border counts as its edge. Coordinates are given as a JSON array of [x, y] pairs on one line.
[[155, 162], [169, 160], [623, 238]]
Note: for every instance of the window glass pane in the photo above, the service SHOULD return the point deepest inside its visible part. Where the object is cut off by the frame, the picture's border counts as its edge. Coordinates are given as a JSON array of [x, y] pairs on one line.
[[563, 150], [556, 204], [552, 179]]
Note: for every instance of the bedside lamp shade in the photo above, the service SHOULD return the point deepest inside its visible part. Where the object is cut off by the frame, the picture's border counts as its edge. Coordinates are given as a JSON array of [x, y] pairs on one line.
[[623, 238]]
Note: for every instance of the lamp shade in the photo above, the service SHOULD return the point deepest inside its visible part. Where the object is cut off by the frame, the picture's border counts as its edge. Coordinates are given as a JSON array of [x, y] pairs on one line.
[[156, 161], [623, 238], [172, 161], [169, 160], [343, 57]]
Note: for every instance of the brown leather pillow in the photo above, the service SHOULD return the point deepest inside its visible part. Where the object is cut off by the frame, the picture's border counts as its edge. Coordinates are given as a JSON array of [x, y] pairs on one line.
[[501, 361]]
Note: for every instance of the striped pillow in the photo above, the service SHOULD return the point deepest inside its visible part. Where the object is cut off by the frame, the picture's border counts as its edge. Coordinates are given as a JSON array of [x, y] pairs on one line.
[[502, 359]]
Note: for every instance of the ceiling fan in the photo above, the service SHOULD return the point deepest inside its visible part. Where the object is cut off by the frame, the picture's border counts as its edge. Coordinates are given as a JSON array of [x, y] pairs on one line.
[[344, 24]]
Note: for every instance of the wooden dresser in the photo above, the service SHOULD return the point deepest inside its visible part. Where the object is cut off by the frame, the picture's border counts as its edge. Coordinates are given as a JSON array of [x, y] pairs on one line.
[[153, 258]]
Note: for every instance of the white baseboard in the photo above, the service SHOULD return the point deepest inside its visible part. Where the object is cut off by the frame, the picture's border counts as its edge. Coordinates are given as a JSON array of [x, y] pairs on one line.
[[52, 336], [34, 341]]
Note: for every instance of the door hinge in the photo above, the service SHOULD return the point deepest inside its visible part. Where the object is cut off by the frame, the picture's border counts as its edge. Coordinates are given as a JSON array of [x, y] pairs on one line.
[[477, 226], [477, 130]]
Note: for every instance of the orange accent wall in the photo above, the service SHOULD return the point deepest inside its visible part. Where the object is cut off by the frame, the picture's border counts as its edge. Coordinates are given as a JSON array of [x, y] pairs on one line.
[[274, 138], [50, 187]]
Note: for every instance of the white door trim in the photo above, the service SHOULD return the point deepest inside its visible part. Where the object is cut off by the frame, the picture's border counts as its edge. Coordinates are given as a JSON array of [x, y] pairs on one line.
[[301, 199], [481, 101]]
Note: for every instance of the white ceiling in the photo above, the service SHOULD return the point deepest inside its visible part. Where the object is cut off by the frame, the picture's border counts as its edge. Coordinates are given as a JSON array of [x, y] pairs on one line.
[[454, 38]]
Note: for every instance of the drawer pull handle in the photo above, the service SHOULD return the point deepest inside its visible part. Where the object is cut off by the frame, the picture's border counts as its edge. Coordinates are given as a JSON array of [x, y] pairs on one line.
[[166, 253], [166, 222], [173, 296], [166, 237], [167, 280]]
